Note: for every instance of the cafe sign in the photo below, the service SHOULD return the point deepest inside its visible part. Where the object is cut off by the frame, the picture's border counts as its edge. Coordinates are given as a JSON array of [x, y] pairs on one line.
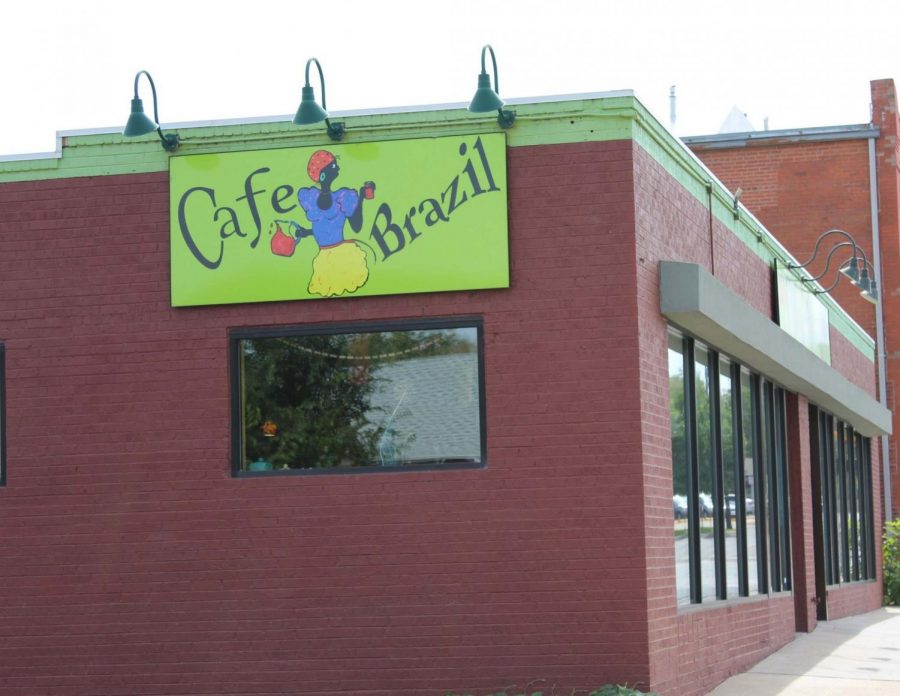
[[350, 220]]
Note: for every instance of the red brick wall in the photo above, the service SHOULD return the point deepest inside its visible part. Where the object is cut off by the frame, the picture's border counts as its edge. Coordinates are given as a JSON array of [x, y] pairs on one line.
[[798, 190], [803, 520], [848, 600], [851, 363], [693, 650], [133, 562]]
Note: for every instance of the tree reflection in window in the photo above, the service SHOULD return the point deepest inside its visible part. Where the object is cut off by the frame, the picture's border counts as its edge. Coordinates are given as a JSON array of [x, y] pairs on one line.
[[368, 399]]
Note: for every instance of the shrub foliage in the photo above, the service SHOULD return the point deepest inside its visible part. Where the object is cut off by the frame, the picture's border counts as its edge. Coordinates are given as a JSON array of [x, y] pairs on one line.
[[892, 563]]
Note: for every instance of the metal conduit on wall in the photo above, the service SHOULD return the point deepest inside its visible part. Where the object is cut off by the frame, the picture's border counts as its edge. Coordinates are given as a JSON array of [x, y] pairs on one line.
[[879, 327]]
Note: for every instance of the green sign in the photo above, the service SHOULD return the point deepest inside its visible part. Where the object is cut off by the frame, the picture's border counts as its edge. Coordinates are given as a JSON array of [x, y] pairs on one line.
[[344, 220], [801, 314]]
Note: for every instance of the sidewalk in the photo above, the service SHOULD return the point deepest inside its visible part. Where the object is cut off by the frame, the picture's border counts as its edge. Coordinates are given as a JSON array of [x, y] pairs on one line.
[[856, 656]]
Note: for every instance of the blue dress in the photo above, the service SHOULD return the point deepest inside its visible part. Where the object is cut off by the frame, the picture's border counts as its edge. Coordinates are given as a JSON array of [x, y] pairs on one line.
[[328, 225]]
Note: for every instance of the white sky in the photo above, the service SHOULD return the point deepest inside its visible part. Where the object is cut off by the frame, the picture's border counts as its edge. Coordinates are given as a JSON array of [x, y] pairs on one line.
[[71, 65]]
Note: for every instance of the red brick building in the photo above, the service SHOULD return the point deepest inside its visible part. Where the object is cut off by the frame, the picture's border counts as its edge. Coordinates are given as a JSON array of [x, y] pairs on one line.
[[638, 500], [802, 182]]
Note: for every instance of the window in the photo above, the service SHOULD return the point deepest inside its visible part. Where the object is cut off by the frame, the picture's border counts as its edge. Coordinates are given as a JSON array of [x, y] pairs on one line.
[[843, 477], [749, 474], [351, 399], [680, 443], [730, 477], [2, 415]]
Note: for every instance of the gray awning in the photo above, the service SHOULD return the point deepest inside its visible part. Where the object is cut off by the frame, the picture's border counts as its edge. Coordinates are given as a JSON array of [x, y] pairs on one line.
[[694, 300]]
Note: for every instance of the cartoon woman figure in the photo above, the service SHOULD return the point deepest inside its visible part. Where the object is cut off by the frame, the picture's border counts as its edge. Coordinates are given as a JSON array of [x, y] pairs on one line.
[[340, 265]]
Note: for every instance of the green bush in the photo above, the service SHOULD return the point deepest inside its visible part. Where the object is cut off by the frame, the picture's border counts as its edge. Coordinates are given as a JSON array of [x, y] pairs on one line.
[[892, 563], [619, 690]]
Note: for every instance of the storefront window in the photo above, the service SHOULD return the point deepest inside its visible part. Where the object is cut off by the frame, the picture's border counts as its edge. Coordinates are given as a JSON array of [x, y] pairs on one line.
[[750, 459], [778, 476], [853, 498], [731, 507], [679, 469], [312, 400], [705, 474], [844, 483], [730, 486]]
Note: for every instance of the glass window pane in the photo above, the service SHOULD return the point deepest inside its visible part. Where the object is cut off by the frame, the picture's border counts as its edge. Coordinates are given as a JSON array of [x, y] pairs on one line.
[[846, 525], [767, 481], [750, 485], [784, 512], [705, 475], [861, 512], [841, 459], [852, 503], [870, 511], [835, 509], [344, 400], [825, 482], [730, 475], [679, 469]]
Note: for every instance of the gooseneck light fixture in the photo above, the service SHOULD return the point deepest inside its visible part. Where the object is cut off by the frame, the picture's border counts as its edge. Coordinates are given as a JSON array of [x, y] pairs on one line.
[[141, 124], [310, 112], [856, 269], [487, 98]]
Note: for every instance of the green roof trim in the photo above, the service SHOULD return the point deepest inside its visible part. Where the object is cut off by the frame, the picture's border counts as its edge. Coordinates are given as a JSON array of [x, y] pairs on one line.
[[695, 177], [550, 121], [110, 153]]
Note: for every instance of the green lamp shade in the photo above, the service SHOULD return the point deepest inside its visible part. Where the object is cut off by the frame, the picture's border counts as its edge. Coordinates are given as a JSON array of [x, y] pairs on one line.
[[851, 270], [872, 294], [138, 123], [309, 112], [485, 99], [863, 283]]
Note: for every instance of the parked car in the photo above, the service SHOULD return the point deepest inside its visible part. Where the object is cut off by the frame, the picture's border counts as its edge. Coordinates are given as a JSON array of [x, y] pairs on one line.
[[679, 506], [731, 504]]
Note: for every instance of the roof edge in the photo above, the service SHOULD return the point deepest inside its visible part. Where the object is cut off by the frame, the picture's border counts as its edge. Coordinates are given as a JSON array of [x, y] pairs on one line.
[[787, 135], [62, 135]]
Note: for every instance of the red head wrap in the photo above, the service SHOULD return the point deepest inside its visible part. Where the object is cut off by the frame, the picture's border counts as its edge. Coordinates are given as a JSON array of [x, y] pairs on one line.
[[319, 160]]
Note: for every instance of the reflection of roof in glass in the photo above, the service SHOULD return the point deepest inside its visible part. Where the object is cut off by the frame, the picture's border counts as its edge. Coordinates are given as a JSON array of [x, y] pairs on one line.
[[430, 405]]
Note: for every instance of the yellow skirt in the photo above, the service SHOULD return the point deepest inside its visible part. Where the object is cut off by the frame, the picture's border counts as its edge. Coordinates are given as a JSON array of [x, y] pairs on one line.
[[339, 269]]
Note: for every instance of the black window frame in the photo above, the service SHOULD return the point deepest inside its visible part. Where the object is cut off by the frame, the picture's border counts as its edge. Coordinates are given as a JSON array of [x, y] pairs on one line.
[[771, 483], [236, 335]]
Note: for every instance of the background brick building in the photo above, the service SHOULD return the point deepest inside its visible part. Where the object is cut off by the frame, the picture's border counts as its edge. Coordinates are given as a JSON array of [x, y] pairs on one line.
[[803, 182]]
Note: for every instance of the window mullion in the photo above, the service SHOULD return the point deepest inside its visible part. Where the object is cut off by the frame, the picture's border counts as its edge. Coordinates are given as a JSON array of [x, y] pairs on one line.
[[771, 473], [715, 450], [740, 489], [761, 480], [691, 438], [843, 511], [784, 494]]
